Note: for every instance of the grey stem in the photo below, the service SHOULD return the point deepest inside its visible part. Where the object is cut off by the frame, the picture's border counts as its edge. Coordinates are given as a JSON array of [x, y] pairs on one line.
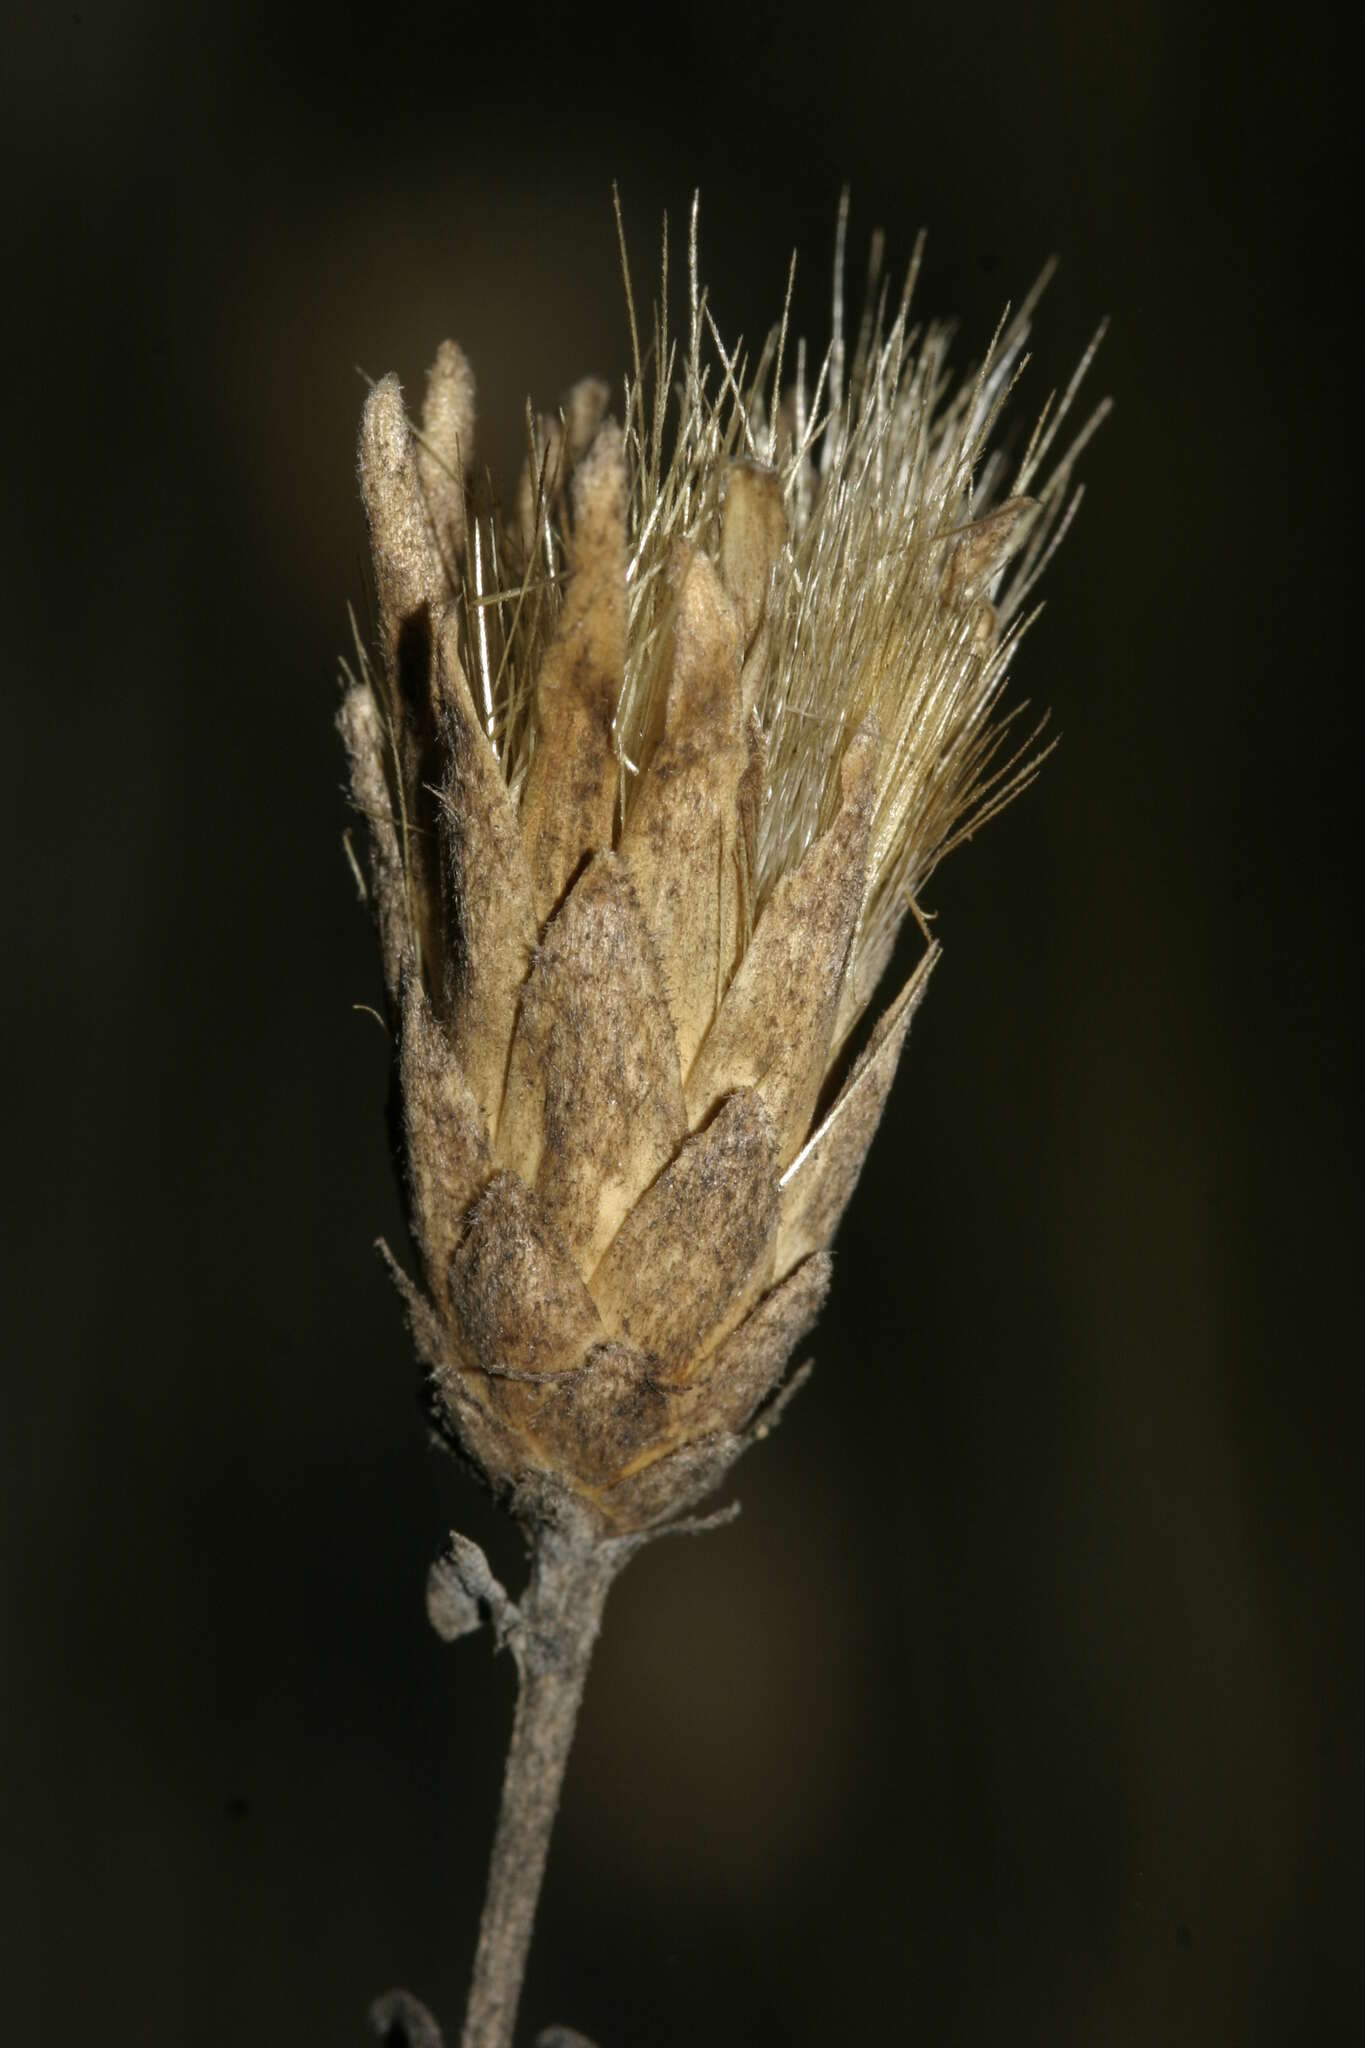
[[560, 1614]]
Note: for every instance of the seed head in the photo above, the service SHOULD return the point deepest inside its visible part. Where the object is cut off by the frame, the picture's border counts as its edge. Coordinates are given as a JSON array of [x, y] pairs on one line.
[[654, 765]]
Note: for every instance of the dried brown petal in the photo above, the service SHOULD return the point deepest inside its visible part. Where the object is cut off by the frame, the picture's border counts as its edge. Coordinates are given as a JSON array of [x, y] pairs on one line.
[[446, 451], [520, 1306], [697, 1247], [492, 922], [445, 1136], [682, 836], [570, 792], [774, 1028], [746, 1367], [593, 1108], [817, 1186]]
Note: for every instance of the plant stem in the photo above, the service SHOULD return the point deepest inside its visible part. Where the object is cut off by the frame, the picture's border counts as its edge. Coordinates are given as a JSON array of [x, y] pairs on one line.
[[560, 1613]]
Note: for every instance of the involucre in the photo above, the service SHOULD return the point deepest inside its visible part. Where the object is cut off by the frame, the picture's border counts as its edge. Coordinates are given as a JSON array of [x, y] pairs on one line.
[[653, 769]]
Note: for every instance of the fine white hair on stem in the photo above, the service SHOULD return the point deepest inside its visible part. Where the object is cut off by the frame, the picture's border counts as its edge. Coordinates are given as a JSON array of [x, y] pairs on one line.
[[902, 592]]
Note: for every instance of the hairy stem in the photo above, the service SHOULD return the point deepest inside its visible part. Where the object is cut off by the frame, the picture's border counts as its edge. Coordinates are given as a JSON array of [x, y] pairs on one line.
[[559, 1618]]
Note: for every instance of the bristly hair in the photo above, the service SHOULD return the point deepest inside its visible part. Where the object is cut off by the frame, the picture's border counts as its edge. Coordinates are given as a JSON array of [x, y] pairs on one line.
[[903, 591]]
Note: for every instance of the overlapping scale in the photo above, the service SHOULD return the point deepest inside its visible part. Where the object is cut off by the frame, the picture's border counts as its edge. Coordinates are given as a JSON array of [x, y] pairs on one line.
[[682, 837], [489, 912], [445, 453], [696, 1250], [447, 1158], [818, 1184], [410, 587], [729, 1385], [409, 578], [368, 746], [593, 1109], [600, 1420], [753, 535], [569, 798], [521, 1311], [774, 1027]]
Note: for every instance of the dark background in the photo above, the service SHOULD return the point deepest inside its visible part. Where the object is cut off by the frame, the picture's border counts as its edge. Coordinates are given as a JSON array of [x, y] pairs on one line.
[[1016, 1708]]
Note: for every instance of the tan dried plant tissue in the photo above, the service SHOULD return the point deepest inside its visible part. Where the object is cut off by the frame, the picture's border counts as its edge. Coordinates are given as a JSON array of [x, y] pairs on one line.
[[653, 766]]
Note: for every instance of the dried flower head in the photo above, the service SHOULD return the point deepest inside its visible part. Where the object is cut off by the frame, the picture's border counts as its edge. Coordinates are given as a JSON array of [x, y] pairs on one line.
[[654, 767]]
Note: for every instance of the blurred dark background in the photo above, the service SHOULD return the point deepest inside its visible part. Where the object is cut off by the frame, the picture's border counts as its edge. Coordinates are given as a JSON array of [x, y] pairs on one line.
[[1018, 1705]]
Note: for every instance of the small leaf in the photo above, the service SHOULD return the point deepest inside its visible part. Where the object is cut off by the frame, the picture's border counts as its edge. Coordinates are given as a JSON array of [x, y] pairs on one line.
[[462, 1593]]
